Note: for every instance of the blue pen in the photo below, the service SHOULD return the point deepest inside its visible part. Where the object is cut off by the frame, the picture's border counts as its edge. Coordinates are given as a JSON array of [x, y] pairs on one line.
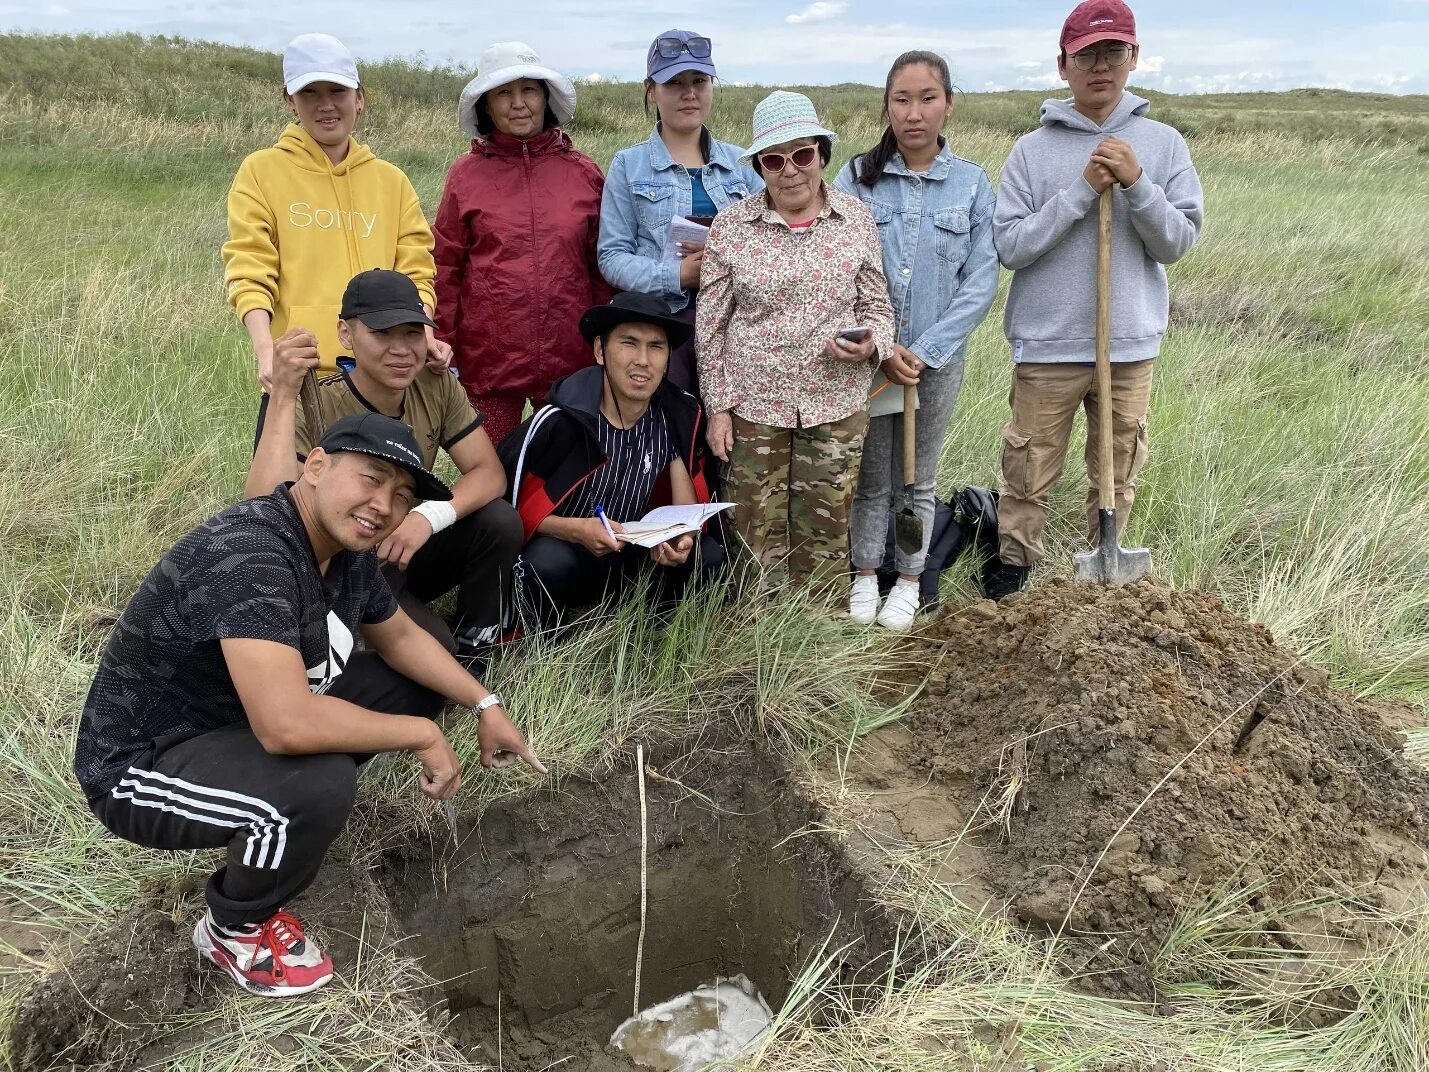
[[600, 513]]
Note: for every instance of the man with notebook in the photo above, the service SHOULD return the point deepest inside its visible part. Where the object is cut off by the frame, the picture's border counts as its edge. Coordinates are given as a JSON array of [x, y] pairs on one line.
[[613, 442]]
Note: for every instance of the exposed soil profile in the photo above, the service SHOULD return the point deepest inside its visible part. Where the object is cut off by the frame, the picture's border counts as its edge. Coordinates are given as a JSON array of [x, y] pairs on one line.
[[527, 920], [535, 913], [1127, 751]]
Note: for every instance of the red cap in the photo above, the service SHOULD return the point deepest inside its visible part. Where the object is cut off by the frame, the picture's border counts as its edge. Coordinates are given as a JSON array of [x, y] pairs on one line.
[[1098, 20]]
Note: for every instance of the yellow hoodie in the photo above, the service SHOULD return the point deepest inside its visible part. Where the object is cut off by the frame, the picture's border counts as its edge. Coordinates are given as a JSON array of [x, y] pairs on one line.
[[299, 228]]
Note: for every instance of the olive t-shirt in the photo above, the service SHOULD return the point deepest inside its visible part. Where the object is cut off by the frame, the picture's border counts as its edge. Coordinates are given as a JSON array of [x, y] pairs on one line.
[[435, 406]]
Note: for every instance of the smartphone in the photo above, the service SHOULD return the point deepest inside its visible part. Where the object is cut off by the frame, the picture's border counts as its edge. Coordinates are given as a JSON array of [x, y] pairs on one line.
[[855, 334]]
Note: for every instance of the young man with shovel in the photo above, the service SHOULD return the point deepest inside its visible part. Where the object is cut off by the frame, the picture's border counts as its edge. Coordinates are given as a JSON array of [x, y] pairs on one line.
[[1045, 229], [231, 709]]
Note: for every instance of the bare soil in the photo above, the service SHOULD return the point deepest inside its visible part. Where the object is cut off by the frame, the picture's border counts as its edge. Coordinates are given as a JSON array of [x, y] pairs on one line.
[[531, 920], [526, 920], [1121, 753]]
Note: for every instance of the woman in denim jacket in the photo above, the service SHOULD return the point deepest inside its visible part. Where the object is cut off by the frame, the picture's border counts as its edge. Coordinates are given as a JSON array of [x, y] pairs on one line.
[[934, 216], [681, 170]]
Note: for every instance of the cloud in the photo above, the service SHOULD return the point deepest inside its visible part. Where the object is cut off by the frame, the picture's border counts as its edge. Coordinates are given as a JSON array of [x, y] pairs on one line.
[[819, 11], [1047, 80], [822, 41]]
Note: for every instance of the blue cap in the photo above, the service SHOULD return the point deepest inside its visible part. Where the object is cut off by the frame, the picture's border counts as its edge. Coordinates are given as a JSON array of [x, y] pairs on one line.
[[663, 68]]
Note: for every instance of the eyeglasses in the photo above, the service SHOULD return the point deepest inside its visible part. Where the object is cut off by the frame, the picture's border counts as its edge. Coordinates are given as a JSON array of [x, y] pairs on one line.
[[671, 47], [803, 158], [1113, 55]]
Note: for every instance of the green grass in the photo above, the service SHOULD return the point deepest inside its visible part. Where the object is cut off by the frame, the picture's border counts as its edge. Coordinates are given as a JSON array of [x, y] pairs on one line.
[[1289, 471]]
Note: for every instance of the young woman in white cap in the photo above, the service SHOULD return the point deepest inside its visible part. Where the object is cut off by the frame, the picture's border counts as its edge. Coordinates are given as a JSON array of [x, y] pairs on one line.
[[516, 238], [680, 170], [934, 216], [793, 319], [317, 208]]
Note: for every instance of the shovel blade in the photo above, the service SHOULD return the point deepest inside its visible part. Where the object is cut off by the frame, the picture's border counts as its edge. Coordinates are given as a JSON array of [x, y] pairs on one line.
[[908, 526], [1108, 562]]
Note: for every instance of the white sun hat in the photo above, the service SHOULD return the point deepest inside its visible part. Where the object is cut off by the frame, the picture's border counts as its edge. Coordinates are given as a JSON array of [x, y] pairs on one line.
[[506, 62], [783, 116], [317, 57]]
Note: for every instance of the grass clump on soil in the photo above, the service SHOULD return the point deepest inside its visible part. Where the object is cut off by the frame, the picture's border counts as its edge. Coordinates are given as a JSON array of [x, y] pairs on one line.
[[1289, 471]]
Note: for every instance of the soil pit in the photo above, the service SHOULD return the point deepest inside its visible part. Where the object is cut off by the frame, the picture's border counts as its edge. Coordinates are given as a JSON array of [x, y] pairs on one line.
[[530, 920]]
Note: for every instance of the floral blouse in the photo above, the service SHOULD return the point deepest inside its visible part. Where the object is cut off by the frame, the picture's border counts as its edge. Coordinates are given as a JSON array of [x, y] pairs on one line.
[[770, 296]]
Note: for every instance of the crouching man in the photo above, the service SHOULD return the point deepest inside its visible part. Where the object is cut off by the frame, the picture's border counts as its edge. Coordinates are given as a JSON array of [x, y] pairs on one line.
[[612, 442], [469, 543], [230, 709]]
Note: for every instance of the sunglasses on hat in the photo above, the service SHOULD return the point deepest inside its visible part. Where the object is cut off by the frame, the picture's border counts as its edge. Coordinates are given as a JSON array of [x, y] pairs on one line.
[[803, 158], [670, 47]]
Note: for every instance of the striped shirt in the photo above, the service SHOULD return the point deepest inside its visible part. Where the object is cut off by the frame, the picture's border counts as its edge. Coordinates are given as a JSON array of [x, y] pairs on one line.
[[636, 456]]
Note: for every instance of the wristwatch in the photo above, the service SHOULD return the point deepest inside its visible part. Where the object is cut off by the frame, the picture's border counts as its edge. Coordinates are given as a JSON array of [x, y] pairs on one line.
[[491, 700]]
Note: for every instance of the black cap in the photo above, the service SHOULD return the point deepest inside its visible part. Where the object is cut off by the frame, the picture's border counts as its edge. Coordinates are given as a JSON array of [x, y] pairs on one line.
[[629, 307], [388, 439], [382, 299]]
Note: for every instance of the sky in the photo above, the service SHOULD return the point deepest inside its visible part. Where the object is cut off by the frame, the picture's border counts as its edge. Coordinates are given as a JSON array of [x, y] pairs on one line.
[[1204, 46]]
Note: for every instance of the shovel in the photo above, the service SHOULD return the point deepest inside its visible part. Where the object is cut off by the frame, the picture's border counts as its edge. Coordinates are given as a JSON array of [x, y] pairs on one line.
[[1108, 562], [312, 408], [907, 525]]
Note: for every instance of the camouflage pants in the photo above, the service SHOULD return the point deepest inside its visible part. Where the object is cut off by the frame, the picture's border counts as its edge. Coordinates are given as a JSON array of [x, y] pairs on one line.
[[792, 488]]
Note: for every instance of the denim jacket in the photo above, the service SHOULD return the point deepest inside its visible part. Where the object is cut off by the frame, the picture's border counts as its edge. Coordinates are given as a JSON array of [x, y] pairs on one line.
[[936, 231], [644, 191]]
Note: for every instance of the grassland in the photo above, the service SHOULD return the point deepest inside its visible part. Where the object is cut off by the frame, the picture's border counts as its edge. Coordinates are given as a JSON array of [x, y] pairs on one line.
[[1289, 471]]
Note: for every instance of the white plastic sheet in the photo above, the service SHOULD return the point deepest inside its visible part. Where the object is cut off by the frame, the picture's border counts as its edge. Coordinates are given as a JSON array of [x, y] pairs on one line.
[[713, 1022]]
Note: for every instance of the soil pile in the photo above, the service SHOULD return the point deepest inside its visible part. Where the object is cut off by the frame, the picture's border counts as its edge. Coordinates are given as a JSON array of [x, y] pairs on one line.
[[1136, 748]]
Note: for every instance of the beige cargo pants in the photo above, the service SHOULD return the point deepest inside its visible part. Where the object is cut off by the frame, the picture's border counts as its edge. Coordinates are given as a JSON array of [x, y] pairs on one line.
[[1045, 399]]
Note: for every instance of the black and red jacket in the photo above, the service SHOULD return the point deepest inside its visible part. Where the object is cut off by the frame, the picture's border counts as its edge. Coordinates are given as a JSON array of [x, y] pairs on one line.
[[556, 450]]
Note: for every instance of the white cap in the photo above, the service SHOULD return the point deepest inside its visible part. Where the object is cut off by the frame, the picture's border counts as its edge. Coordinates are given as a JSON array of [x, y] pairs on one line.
[[317, 57], [506, 62]]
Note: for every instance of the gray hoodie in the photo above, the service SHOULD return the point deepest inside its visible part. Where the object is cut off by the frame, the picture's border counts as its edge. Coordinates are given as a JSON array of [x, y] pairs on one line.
[[1045, 230]]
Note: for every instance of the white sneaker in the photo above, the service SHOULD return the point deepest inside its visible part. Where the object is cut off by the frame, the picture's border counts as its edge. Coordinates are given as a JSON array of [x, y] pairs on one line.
[[863, 599], [901, 606]]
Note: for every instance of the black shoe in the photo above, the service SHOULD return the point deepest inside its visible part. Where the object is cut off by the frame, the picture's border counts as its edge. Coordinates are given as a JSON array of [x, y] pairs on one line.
[[474, 661], [1004, 579], [474, 648]]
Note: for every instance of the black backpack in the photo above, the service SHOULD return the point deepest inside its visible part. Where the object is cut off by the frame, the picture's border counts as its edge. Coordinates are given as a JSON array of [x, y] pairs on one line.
[[966, 524]]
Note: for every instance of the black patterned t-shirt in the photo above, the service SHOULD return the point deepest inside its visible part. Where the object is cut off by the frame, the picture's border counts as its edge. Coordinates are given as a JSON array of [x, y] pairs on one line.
[[247, 572]]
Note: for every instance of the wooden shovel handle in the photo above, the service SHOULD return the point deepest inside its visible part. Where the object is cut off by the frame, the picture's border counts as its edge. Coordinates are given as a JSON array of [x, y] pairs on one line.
[[312, 408], [1107, 491], [910, 432]]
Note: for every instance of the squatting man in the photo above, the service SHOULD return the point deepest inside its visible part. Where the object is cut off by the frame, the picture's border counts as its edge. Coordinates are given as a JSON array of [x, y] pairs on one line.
[[230, 708]]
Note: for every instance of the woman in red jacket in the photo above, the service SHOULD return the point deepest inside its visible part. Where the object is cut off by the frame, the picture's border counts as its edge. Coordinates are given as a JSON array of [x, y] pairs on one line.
[[516, 238]]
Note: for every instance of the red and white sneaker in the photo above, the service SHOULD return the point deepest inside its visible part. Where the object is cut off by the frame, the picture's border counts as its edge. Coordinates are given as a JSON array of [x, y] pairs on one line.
[[272, 958]]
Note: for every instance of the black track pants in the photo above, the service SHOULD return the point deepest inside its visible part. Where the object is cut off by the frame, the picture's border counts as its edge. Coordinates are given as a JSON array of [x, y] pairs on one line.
[[276, 815]]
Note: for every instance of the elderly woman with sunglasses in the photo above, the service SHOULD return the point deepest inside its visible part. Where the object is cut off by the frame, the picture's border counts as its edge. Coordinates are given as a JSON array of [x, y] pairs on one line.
[[793, 317], [680, 170]]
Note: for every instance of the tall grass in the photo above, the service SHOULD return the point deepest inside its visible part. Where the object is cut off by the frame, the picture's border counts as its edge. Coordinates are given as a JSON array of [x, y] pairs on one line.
[[1289, 471]]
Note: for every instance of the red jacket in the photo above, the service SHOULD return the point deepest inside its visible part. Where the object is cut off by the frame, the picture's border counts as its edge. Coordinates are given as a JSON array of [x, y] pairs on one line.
[[516, 261]]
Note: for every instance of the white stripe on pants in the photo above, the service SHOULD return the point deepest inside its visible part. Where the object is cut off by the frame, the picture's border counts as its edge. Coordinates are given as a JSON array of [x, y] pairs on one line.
[[267, 823]]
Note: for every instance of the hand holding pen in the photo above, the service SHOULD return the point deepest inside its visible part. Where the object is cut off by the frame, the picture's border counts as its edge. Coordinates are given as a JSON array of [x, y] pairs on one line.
[[603, 541]]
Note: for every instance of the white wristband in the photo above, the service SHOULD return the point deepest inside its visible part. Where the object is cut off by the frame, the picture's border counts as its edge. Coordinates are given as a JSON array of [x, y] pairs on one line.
[[440, 515]]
